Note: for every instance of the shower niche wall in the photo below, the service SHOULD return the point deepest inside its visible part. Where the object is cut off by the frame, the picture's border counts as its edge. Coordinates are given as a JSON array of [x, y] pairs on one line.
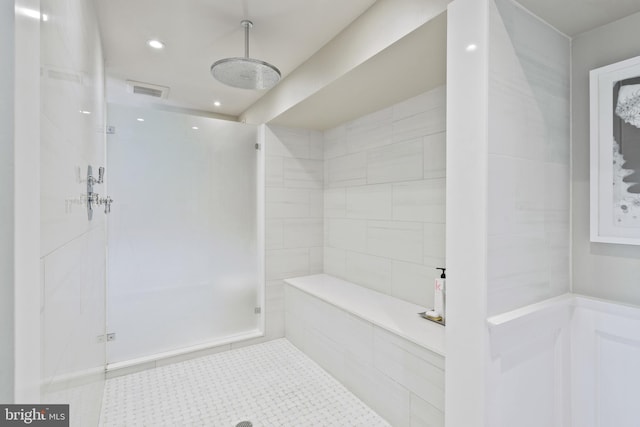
[[185, 269]]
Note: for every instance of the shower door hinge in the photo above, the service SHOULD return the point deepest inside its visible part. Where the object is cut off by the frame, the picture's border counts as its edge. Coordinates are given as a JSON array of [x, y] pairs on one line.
[[257, 146], [257, 310], [107, 337]]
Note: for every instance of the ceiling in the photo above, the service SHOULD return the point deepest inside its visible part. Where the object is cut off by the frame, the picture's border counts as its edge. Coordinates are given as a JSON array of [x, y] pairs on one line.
[[199, 32], [413, 65], [573, 17], [286, 33]]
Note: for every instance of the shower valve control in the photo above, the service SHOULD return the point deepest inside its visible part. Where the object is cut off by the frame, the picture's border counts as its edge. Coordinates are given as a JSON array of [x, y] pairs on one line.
[[93, 198], [106, 201], [91, 180]]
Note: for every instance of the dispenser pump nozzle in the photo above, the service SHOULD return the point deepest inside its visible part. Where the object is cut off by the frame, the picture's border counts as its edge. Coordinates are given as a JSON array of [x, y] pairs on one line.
[[442, 276]]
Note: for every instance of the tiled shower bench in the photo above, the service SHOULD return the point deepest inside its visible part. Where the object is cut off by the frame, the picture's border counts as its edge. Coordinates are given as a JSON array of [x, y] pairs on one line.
[[375, 344]]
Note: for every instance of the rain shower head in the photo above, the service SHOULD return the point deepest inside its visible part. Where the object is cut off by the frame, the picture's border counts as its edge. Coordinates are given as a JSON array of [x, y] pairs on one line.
[[246, 73]]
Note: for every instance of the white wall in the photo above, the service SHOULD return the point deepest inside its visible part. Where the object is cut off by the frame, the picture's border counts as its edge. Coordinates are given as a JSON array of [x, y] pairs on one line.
[[400, 380], [605, 347], [72, 248], [528, 200], [293, 198], [384, 198], [466, 221], [578, 366], [6, 201], [27, 296], [599, 269], [508, 152]]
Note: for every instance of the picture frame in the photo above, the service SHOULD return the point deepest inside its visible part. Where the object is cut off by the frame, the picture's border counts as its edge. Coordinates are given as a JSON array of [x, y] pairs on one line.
[[615, 153]]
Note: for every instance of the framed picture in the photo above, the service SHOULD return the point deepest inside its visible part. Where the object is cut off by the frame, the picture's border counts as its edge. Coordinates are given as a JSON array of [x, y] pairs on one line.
[[615, 153]]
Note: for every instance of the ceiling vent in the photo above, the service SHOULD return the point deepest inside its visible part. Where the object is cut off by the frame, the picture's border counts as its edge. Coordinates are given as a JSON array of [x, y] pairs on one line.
[[139, 88]]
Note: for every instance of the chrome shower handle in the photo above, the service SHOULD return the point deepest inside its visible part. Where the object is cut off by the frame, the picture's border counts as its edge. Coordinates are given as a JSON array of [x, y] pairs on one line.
[[107, 204]]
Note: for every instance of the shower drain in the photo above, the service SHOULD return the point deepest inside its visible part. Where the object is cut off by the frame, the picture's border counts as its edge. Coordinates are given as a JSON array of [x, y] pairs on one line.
[[244, 424]]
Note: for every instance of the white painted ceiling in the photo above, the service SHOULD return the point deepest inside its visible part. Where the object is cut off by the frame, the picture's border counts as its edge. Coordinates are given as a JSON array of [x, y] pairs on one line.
[[414, 64], [199, 32], [573, 17], [286, 33]]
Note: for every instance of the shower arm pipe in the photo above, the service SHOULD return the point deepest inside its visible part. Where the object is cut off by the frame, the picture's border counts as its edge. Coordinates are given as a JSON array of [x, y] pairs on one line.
[[247, 25]]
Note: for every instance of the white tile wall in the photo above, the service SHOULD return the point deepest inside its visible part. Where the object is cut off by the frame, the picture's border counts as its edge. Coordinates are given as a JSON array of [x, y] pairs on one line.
[[528, 183], [369, 201], [347, 234], [384, 198], [373, 270], [72, 248], [302, 233], [370, 131], [422, 201], [7, 209], [529, 378], [395, 240], [435, 154], [303, 173], [605, 347], [424, 414], [408, 280], [294, 216], [347, 170], [335, 202], [418, 369], [400, 380], [401, 161]]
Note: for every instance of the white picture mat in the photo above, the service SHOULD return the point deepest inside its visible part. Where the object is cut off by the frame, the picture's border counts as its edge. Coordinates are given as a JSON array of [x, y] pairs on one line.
[[602, 81]]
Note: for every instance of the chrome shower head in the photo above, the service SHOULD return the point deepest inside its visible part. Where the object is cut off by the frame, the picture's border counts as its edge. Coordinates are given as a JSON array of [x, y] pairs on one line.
[[245, 73]]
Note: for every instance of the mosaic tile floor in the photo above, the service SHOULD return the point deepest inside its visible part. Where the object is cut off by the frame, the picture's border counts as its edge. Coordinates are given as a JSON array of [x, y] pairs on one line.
[[271, 384]]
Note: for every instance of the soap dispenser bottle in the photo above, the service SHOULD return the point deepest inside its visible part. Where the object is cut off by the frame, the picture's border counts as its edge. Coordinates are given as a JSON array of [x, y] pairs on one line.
[[437, 314], [439, 295]]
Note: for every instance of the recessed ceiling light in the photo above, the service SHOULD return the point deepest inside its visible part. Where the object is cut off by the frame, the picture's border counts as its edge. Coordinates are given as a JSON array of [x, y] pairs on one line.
[[217, 103], [194, 127], [140, 119], [156, 44], [471, 47]]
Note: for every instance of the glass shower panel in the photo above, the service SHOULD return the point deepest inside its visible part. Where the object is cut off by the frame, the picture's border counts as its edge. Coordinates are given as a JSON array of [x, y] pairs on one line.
[[182, 232]]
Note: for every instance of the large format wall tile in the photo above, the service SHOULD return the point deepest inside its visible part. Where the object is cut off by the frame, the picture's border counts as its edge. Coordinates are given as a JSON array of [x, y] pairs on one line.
[[435, 155], [384, 197], [373, 270], [528, 196], [397, 162], [72, 247], [371, 131], [414, 368], [420, 201], [369, 202], [400, 380], [303, 173], [295, 206], [287, 203], [395, 240], [348, 234], [347, 170], [302, 233]]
